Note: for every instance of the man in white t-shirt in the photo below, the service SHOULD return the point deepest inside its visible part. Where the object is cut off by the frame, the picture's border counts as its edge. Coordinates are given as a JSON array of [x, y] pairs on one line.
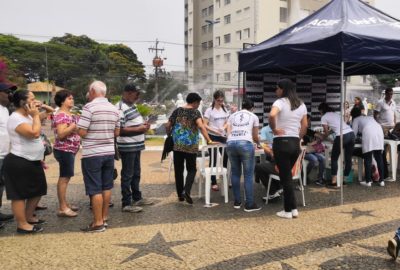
[[385, 110], [5, 90], [385, 115]]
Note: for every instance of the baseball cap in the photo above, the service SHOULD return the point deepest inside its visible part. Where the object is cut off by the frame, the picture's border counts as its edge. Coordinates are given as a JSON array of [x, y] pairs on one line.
[[7, 86]]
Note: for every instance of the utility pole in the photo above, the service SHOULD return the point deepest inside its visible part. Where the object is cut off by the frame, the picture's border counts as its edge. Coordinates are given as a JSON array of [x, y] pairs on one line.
[[157, 63]]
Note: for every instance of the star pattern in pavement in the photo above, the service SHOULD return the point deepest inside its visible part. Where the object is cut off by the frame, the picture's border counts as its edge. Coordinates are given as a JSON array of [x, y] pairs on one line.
[[323, 190], [156, 245], [355, 213]]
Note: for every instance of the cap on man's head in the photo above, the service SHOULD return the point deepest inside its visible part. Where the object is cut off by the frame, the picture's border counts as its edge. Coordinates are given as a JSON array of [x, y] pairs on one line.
[[7, 86], [131, 87]]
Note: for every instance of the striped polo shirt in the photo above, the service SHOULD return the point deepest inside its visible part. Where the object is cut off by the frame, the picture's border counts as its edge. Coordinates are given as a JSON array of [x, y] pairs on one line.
[[130, 117], [100, 118]]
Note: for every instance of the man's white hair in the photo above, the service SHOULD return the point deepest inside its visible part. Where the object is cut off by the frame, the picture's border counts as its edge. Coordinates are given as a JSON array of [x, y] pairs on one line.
[[99, 87]]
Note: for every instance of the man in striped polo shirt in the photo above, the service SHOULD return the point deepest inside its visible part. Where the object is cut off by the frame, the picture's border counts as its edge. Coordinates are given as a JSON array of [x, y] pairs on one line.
[[130, 144], [98, 126]]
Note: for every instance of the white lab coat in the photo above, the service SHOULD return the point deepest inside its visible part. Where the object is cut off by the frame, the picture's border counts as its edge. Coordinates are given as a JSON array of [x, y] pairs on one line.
[[371, 132]]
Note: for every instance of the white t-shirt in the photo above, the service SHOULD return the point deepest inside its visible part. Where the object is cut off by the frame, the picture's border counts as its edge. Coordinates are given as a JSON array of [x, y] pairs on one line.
[[30, 149], [216, 119], [4, 138], [287, 119], [242, 124], [386, 112], [332, 120]]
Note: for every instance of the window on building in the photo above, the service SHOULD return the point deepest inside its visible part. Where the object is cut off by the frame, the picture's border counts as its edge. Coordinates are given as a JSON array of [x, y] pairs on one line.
[[227, 2], [239, 35], [190, 32], [210, 10], [217, 77], [227, 38], [227, 19], [204, 12], [204, 29], [364, 78], [190, 63], [204, 46], [246, 10], [218, 58], [204, 77], [218, 3], [204, 63], [246, 33], [227, 57], [227, 76], [283, 14], [238, 13], [210, 61], [217, 41], [210, 44]]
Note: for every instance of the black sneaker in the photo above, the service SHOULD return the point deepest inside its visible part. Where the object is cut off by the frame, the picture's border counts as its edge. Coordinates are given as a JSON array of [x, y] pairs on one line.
[[320, 182], [188, 198], [91, 228], [393, 247], [237, 205], [252, 208], [35, 229]]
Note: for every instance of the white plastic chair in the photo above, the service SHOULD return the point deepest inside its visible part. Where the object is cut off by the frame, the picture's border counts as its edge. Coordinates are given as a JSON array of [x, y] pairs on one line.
[[296, 174], [217, 170]]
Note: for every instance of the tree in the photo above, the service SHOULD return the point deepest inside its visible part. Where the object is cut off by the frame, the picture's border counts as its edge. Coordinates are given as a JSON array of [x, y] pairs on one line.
[[388, 80], [72, 62]]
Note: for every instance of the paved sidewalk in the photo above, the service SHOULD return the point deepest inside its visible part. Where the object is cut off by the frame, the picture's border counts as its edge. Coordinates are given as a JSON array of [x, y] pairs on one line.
[[173, 235]]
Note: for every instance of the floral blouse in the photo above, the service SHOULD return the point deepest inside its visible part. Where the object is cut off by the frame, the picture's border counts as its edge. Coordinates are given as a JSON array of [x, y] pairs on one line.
[[185, 132], [70, 143]]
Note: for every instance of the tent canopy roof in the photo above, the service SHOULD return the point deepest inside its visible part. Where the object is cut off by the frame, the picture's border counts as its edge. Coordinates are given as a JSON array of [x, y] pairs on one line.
[[350, 31]]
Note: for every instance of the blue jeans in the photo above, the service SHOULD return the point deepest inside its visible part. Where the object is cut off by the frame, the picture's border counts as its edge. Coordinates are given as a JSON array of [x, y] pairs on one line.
[[241, 153], [316, 159], [130, 177]]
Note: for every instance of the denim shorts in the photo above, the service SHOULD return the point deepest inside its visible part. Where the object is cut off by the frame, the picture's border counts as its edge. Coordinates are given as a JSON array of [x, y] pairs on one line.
[[66, 160], [98, 173]]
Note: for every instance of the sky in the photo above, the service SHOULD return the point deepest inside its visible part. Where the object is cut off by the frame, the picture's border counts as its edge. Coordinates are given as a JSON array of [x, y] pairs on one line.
[[136, 23]]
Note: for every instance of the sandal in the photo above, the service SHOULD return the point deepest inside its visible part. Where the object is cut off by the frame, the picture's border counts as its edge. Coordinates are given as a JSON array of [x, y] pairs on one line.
[[67, 213]]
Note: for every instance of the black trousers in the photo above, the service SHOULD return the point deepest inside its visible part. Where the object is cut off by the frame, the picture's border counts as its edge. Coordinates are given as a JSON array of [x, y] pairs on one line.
[[179, 162], [286, 151], [262, 172]]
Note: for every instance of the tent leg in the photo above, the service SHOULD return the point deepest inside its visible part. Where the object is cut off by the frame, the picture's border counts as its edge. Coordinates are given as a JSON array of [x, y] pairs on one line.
[[342, 97]]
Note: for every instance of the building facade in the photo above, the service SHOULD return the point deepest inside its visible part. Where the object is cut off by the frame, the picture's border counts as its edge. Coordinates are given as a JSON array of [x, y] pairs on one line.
[[215, 30]]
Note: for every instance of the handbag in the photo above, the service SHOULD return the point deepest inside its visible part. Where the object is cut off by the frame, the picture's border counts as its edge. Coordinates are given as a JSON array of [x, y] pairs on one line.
[[48, 149], [168, 143]]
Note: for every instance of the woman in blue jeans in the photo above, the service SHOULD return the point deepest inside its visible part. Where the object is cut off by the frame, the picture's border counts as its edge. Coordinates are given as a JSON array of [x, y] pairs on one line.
[[242, 133]]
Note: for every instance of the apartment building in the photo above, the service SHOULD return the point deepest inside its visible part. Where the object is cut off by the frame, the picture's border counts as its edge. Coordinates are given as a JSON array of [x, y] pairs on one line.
[[215, 30]]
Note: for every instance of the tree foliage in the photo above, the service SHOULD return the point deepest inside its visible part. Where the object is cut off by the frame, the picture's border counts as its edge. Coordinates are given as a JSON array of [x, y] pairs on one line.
[[168, 88], [72, 63], [388, 80]]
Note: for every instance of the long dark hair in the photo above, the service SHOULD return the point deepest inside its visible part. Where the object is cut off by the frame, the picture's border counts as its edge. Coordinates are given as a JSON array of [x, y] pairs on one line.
[[218, 94], [19, 98], [289, 92]]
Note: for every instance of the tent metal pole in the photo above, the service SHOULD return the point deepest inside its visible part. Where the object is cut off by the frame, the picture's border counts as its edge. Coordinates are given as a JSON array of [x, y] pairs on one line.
[[342, 97]]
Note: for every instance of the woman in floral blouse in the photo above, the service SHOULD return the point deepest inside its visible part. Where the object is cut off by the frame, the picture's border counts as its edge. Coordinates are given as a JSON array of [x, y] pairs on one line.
[[185, 123], [65, 147]]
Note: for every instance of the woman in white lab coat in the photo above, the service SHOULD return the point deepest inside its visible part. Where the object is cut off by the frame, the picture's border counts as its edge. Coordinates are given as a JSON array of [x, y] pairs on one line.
[[372, 144]]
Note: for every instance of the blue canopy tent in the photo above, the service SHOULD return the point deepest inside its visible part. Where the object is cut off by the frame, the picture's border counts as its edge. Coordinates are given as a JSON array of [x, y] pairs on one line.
[[345, 37]]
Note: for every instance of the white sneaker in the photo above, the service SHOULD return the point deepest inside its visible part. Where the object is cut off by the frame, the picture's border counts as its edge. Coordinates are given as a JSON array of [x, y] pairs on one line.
[[284, 214], [295, 213], [382, 183], [365, 184]]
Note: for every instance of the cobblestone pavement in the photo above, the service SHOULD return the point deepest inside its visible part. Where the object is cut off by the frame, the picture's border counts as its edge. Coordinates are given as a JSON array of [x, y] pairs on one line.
[[173, 235]]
